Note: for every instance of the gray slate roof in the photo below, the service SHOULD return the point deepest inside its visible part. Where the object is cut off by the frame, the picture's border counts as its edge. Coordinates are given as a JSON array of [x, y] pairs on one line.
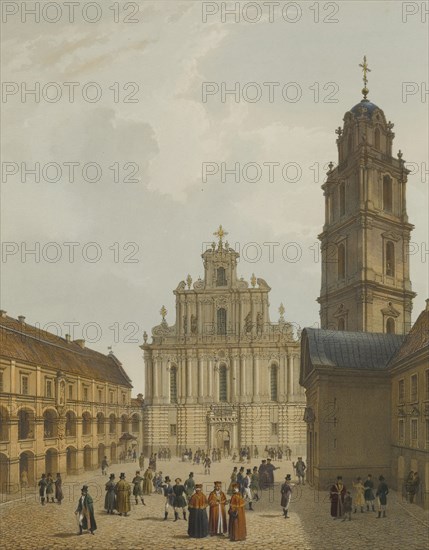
[[353, 350]]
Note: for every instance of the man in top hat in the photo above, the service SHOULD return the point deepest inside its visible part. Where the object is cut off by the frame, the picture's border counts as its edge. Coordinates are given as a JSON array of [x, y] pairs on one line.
[[286, 492], [110, 498], [217, 516], [85, 512], [237, 516], [300, 470], [147, 481], [240, 479], [247, 493], [167, 490], [190, 485], [337, 494], [198, 527], [123, 496], [179, 499]]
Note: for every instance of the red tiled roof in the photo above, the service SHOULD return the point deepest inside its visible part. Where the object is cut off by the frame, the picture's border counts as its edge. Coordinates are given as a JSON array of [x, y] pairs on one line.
[[23, 342]]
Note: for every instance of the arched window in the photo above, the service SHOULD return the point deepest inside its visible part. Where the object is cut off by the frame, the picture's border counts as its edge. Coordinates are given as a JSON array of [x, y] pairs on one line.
[[221, 277], [26, 424], [124, 423], [341, 261], [135, 423], [70, 424], [100, 423], [390, 325], [342, 198], [86, 423], [377, 139], [387, 194], [222, 384], [112, 424], [173, 385], [274, 383], [49, 424], [390, 259], [221, 321], [341, 324]]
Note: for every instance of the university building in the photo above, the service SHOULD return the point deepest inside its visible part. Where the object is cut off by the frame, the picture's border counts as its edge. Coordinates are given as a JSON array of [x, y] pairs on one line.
[[223, 375], [365, 372], [63, 407]]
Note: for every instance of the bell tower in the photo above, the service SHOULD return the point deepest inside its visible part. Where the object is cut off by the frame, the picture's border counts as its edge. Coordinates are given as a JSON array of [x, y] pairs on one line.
[[365, 239]]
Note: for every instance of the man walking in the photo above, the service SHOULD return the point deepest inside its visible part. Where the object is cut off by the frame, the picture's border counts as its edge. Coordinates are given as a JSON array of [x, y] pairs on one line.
[[300, 468], [382, 492], [179, 499], [42, 489], [137, 488], [167, 489], [104, 466], [254, 484], [286, 492], [247, 493], [85, 512]]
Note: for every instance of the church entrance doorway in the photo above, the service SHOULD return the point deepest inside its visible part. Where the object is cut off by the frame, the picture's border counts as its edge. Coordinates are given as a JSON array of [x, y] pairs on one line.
[[223, 441]]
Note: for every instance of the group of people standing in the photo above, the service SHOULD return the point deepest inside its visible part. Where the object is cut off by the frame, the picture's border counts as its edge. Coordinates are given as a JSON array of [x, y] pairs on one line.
[[342, 501], [50, 489], [190, 495]]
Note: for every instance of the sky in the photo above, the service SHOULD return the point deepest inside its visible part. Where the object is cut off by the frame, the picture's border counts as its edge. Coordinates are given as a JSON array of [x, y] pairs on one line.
[[128, 133]]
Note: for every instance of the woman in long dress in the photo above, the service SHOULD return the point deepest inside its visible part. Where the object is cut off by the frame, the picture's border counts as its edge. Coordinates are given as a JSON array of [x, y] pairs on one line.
[[359, 499]]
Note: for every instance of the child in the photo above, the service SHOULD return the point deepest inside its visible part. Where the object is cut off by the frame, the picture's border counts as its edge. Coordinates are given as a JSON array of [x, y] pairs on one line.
[[347, 506]]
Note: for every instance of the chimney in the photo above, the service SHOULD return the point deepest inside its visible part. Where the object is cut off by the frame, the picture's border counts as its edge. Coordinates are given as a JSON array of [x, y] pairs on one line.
[[68, 339], [3, 313], [21, 319], [80, 343]]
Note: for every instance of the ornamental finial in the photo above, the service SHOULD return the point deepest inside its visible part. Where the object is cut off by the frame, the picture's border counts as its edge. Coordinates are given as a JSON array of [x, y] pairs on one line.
[[220, 234], [163, 312], [253, 280], [365, 70]]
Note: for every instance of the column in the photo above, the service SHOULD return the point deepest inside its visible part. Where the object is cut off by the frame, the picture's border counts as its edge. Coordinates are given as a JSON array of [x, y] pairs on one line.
[[155, 399], [234, 378], [296, 379], [256, 396], [199, 318], [243, 377], [283, 377], [200, 380], [210, 378], [215, 383], [188, 379], [290, 377]]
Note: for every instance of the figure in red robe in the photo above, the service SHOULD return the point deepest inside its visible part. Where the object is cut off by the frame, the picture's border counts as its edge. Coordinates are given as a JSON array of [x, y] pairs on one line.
[[217, 517]]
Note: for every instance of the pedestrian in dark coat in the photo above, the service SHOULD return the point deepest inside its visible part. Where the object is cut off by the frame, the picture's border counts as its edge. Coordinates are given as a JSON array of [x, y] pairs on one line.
[[85, 512], [49, 487], [198, 527], [382, 492], [110, 498], [286, 492], [42, 489], [179, 499], [369, 493], [137, 488], [190, 485], [59, 489], [123, 495], [337, 493], [270, 472]]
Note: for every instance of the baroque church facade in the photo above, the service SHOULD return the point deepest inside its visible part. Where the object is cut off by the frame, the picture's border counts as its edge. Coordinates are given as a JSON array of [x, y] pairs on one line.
[[223, 376], [366, 370]]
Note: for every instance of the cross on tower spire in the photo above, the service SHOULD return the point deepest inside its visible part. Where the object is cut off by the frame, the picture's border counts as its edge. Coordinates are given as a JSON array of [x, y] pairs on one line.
[[365, 70], [220, 233]]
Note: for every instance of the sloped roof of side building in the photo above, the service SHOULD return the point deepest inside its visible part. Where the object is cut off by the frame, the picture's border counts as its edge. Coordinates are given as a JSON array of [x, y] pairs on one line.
[[29, 344]]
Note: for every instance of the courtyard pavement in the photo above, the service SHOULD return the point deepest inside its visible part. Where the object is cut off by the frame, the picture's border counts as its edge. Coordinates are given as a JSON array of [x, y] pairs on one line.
[[25, 524]]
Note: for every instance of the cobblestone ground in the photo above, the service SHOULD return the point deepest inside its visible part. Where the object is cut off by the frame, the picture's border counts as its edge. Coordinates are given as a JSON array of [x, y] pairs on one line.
[[25, 524]]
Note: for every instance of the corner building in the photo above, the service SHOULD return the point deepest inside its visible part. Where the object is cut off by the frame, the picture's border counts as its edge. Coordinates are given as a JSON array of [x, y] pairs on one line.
[[223, 376]]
